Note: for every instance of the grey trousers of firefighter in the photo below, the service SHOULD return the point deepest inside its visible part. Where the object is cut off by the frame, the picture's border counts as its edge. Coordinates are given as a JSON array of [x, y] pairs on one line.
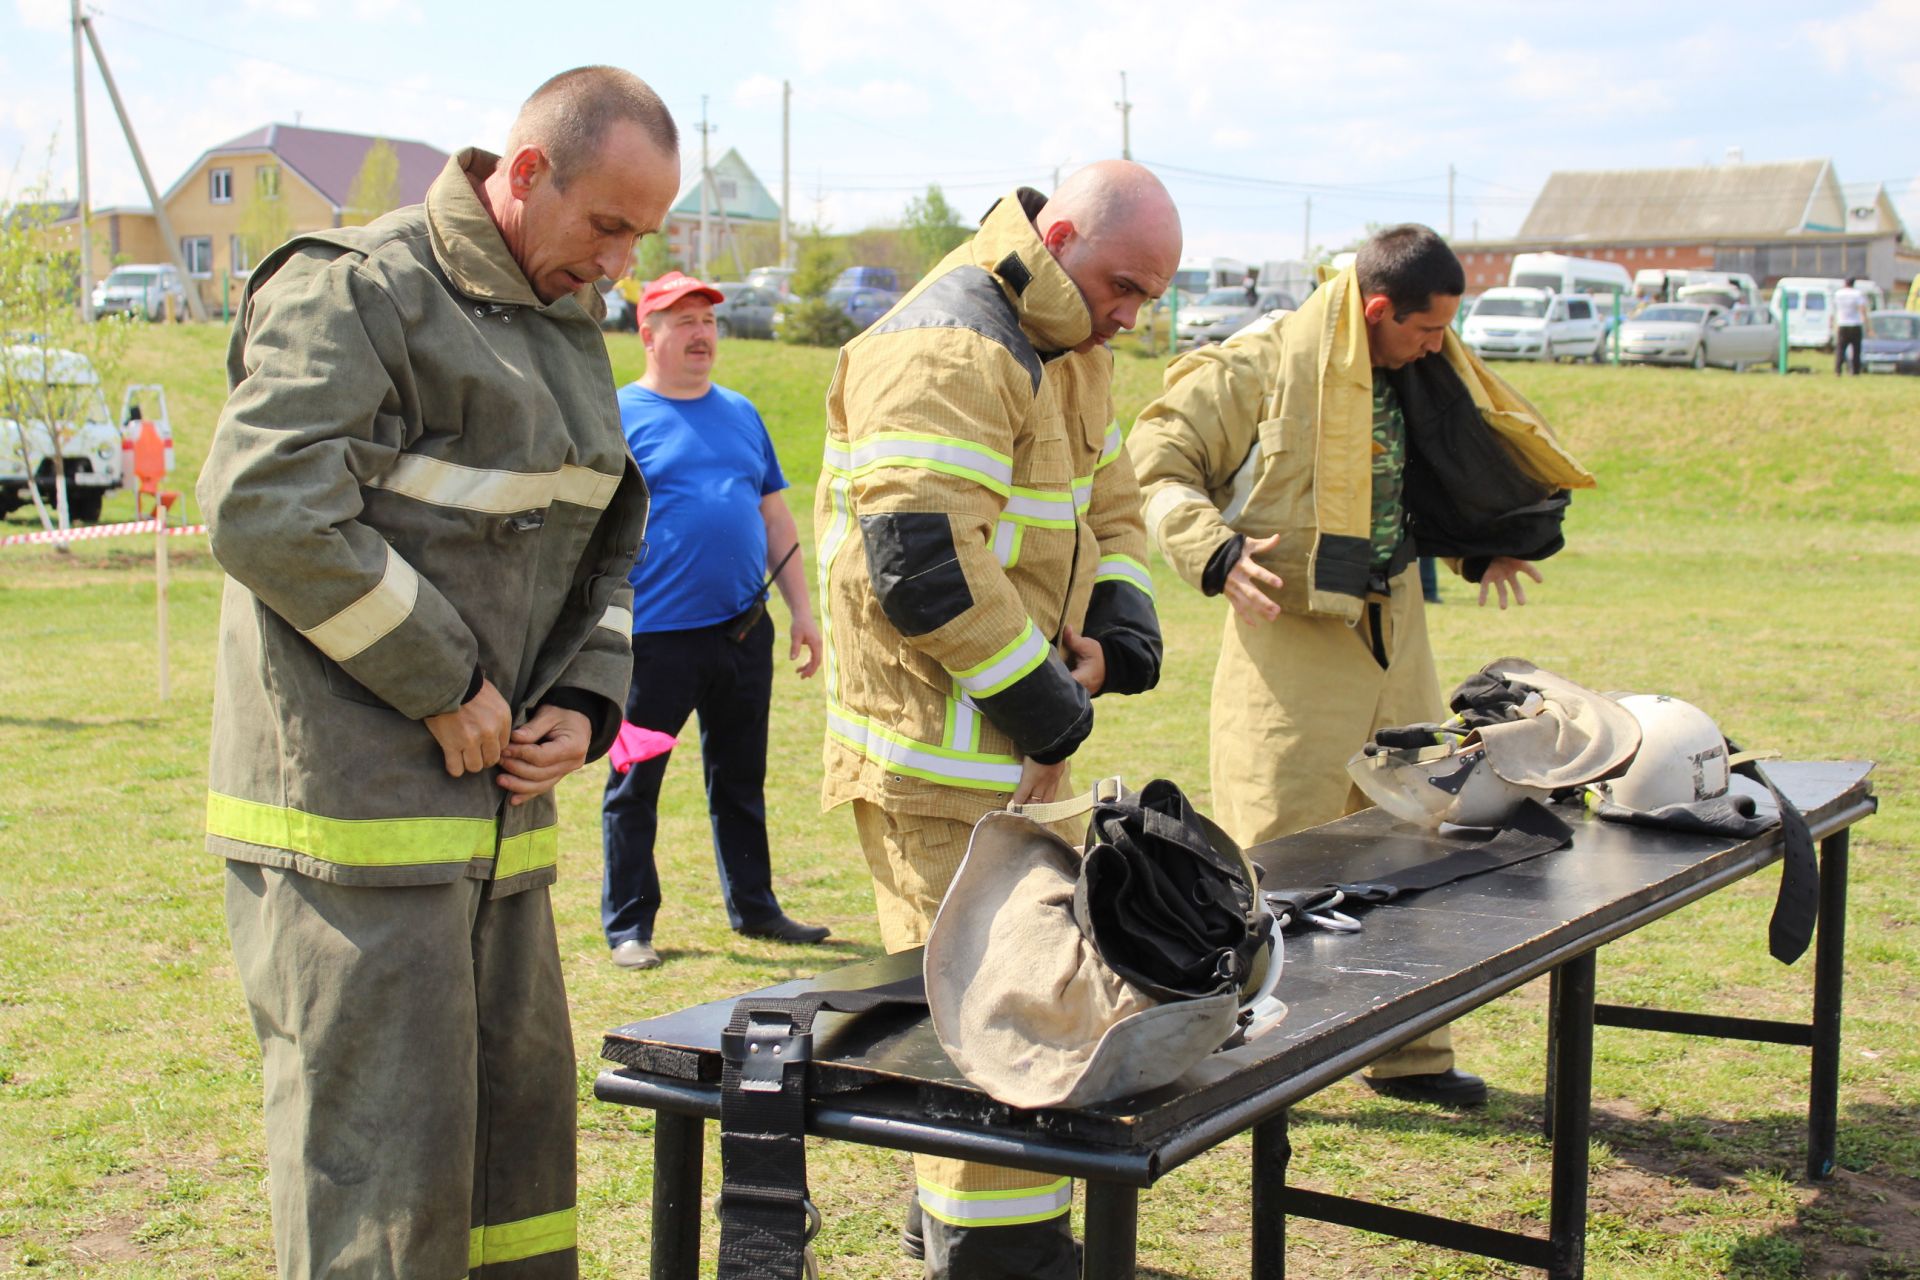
[[419, 1076]]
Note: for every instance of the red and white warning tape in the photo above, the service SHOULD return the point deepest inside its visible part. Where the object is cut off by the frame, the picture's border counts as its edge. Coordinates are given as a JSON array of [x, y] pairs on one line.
[[98, 531]]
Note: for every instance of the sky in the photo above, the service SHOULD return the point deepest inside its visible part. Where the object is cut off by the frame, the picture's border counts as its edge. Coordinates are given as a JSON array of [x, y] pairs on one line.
[[1247, 110]]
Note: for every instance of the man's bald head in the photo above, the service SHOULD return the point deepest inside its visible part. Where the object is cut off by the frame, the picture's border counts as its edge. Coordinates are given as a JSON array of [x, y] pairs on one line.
[[1113, 229]]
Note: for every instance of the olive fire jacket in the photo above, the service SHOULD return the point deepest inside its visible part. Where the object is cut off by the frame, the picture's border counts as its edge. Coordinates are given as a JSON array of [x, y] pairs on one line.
[[975, 501], [419, 475]]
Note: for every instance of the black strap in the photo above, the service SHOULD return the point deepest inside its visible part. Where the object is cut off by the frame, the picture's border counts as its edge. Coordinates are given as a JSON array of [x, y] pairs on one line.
[[1532, 831], [766, 1218], [1797, 907]]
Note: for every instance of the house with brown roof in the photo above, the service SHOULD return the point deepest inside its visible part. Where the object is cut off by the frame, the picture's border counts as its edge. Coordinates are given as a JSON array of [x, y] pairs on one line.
[[245, 196], [1792, 218]]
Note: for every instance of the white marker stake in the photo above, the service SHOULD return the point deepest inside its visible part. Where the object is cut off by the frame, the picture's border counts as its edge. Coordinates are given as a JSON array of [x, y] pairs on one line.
[[160, 586]]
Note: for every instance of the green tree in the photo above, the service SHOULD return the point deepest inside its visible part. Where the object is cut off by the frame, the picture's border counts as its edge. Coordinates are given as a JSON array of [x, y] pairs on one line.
[[55, 368], [264, 221], [376, 188], [809, 319], [653, 258], [933, 228]]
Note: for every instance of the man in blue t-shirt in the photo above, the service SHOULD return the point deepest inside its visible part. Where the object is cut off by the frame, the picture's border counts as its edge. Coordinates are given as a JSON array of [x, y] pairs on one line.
[[703, 642]]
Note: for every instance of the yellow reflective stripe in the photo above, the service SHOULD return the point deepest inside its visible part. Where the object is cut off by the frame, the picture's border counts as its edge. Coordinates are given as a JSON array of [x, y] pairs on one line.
[[963, 723], [350, 631], [1024, 653], [921, 759], [996, 1208], [527, 1238], [1124, 569], [1082, 494], [1110, 449], [351, 842], [617, 620], [1006, 542], [528, 851], [1049, 509], [448, 484], [965, 459]]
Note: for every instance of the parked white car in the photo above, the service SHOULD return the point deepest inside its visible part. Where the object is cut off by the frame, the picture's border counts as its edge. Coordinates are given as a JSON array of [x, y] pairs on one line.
[[90, 442], [1700, 335], [150, 290], [1533, 324], [1223, 312]]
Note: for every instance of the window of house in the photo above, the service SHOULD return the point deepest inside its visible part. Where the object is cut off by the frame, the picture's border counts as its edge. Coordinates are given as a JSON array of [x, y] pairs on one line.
[[220, 186], [1672, 252], [728, 188], [198, 251], [239, 255], [266, 181]]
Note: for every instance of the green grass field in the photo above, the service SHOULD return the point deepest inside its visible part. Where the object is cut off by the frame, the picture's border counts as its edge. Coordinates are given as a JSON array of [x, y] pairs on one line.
[[1753, 548]]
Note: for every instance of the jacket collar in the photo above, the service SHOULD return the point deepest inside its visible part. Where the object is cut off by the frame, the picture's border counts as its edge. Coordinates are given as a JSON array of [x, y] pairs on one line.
[[466, 242], [1051, 310]]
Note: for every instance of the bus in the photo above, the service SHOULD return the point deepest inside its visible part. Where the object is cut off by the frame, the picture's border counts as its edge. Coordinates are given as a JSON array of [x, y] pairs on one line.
[[1557, 273]]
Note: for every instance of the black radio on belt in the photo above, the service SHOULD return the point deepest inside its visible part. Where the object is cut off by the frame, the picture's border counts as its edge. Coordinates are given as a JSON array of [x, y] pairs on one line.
[[741, 625]]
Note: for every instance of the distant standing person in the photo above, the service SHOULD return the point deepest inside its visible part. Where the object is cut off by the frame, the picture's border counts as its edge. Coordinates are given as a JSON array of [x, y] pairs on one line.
[[1849, 325], [702, 639]]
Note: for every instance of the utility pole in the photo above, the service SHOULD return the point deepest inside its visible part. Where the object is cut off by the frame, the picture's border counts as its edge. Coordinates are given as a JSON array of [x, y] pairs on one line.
[[704, 247], [1449, 202], [1124, 107], [1306, 235], [195, 307], [786, 171], [80, 154]]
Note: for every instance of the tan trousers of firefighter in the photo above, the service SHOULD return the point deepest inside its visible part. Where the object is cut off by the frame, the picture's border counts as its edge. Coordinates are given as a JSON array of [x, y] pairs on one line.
[[419, 1076], [913, 859], [1293, 699]]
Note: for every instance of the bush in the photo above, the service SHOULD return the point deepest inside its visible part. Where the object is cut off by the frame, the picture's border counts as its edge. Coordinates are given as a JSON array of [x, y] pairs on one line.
[[814, 322]]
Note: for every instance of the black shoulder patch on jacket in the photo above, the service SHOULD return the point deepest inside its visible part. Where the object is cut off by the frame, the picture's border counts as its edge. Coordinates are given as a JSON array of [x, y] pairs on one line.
[[1014, 272], [967, 298], [915, 570]]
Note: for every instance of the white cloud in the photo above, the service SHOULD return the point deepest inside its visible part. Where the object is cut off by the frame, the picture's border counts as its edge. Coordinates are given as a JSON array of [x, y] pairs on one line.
[[43, 15]]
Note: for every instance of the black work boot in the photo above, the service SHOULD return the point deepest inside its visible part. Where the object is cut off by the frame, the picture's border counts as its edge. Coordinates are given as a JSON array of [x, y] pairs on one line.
[[913, 1236], [1024, 1251]]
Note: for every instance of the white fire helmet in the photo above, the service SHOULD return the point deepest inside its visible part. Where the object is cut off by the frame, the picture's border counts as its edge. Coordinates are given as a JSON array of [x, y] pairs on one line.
[[1431, 785], [1682, 758]]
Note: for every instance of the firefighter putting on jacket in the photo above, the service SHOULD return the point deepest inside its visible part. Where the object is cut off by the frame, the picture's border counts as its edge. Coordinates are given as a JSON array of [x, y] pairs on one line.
[[422, 497], [983, 575], [1299, 469]]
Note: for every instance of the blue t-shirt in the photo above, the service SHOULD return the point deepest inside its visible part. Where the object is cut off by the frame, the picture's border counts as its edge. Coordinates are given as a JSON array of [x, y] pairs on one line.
[[707, 462]]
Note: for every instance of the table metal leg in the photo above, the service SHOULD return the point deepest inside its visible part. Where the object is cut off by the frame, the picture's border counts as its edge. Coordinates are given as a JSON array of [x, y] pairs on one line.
[[1271, 1153], [679, 1143], [1572, 1095], [1113, 1226], [1829, 974], [1553, 1054]]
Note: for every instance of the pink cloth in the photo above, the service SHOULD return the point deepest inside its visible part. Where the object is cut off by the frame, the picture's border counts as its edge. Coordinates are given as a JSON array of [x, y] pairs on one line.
[[636, 744]]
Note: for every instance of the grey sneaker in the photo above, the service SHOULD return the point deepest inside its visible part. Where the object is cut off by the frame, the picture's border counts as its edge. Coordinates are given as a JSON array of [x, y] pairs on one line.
[[635, 954]]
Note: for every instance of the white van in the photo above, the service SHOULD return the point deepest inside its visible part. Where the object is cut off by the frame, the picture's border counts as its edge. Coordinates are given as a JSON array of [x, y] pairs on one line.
[[1557, 273], [1804, 304], [1533, 324]]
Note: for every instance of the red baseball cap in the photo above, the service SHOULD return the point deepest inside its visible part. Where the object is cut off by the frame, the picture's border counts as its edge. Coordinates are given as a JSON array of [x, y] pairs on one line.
[[672, 287]]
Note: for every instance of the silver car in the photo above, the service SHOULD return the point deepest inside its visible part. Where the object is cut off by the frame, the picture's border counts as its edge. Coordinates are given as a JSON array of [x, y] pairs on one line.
[[149, 290], [1223, 312], [1700, 335]]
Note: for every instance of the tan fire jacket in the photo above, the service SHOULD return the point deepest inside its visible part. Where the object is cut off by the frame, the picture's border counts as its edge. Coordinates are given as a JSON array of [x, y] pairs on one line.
[[1271, 432], [975, 500], [420, 471]]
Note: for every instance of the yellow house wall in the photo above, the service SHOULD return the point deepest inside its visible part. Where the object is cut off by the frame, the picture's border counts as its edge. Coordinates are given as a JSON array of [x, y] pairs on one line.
[[194, 213]]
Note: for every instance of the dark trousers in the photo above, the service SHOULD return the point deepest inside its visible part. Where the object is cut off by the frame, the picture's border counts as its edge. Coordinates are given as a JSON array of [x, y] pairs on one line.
[[677, 674], [1847, 337]]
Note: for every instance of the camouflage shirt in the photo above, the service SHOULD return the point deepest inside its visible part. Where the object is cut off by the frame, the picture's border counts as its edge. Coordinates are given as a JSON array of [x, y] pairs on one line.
[[1389, 468]]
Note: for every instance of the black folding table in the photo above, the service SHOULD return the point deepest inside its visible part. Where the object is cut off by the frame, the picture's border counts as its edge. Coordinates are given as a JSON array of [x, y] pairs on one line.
[[881, 1078]]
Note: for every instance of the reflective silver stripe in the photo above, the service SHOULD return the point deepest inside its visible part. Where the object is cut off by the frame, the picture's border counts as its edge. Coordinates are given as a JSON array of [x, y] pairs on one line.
[[1083, 493], [996, 1208], [354, 628], [965, 724], [887, 448], [1032, 505], [448, 484], [836, 535], [618, 620], [975, 769], [1241, 488], [1006, 541], [1166, 499], [1125, 569], [1110, 448], [994, 675]]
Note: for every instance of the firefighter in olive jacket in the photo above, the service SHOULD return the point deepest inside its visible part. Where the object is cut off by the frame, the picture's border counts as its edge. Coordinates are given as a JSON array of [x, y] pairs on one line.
[[979, 527], [420, 491]]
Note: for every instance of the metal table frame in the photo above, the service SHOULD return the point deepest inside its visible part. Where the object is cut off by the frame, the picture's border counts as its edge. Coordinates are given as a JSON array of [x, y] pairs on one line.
[[1114, 1175]]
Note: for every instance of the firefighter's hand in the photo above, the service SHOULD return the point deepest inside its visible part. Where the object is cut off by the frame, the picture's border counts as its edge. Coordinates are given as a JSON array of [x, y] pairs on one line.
[[1086, 660], [549, 746], [473, 737], [1503, 572], [805, 631], [1038, 782], [1245, 580]]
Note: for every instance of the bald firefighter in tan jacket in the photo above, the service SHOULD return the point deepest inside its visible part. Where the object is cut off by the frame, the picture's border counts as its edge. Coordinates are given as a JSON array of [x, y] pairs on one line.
[[1295, 469], [983, 576]]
